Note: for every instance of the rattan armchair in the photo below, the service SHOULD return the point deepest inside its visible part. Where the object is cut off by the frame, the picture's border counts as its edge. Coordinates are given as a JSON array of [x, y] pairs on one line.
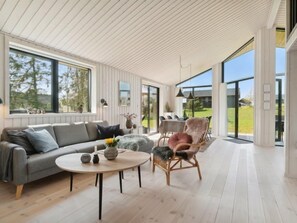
[[183, 154]]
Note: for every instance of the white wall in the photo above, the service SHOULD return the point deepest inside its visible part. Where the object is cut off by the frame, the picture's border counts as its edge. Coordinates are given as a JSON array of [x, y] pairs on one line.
[[217, 107], [108, 82], [2, 47], [264, 110], [291, 114], [105, 82]]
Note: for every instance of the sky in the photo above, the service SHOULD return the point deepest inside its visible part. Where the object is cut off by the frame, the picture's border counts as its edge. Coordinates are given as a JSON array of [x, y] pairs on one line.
[[239, 68]]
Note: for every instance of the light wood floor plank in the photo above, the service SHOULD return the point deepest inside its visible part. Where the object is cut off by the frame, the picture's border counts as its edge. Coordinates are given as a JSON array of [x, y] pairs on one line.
[[240, 213], [255, 205], [240, 183], [225, 211]]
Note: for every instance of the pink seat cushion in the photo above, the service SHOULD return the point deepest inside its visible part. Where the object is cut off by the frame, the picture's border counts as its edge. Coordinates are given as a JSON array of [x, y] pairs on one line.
[[177, 138]]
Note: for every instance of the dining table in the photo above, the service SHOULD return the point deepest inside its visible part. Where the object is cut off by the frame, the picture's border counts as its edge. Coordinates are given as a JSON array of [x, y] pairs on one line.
[[171, 126]]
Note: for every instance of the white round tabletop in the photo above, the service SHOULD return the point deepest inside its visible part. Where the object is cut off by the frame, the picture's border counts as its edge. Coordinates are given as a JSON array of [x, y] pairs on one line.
[[125, 160]]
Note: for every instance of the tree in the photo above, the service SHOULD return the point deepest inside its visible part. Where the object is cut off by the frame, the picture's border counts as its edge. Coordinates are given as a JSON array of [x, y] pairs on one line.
[[73, 88], [198, 106], [30, 80]]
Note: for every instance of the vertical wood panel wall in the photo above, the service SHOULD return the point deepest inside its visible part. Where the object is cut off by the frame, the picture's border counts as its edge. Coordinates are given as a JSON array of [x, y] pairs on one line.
[[106, 86], [109, 90]]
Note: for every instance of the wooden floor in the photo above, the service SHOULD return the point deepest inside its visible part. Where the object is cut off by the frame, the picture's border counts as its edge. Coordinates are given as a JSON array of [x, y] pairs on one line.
[[241, 183]]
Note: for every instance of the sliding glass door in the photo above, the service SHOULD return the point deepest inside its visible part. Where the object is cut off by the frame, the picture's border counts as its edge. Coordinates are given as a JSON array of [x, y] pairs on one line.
[[279, 111], [240, 103], [150, 109], [231, 106], [280, 69]]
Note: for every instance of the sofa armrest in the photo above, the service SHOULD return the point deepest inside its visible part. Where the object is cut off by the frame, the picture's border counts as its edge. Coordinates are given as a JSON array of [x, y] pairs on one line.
[[19, 161]]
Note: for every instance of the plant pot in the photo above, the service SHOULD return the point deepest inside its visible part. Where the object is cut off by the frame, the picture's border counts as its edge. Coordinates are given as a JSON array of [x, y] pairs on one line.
[[129, 124], [111, 153]]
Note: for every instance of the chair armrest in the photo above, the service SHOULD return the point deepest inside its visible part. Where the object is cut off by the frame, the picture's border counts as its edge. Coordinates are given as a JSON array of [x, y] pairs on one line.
[[180, 145], [162, 137]]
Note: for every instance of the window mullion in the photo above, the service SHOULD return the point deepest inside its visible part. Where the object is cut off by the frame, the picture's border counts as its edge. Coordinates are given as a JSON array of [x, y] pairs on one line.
[[55, 86]]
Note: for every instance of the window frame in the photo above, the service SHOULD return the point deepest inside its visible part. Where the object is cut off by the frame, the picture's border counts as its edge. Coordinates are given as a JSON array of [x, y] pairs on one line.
[[55, 76], [201, 73], [231, 57]]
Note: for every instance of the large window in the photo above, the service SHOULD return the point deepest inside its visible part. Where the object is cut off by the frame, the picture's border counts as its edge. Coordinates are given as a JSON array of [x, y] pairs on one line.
[[292, 14], [280, 64], [73, 88], [238, 73], [40, 84], [240, 65], [201, 88]]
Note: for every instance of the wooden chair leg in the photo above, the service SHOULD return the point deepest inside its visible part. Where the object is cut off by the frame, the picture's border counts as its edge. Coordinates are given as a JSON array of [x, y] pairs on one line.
[[153, 164], [168, 173], [198, 167], [199, 172], [19, 191], [168, 178]]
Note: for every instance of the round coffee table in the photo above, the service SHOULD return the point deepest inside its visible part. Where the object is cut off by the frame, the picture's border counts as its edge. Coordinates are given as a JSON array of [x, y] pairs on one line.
[[124, 161]]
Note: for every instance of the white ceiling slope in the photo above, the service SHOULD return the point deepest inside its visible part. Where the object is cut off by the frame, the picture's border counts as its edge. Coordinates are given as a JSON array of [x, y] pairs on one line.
[[144, 37]]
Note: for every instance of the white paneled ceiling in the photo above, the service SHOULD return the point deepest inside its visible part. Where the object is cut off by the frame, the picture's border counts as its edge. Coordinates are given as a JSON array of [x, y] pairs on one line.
[[144, 37]]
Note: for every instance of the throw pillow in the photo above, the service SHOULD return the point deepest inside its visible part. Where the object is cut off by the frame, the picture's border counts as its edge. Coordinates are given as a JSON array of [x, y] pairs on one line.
[[109, 131], [20, 138], [179, 137], [42, 141]]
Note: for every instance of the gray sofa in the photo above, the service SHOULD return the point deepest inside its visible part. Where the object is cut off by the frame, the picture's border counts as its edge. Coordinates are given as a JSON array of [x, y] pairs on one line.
[[22, 168]]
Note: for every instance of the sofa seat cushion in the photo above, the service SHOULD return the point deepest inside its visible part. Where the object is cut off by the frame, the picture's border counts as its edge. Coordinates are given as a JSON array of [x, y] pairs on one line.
[[87, 147], [71, 134], [41, 162]]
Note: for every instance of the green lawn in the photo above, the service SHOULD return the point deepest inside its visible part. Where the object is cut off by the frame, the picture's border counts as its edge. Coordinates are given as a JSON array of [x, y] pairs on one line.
[[246, 119]]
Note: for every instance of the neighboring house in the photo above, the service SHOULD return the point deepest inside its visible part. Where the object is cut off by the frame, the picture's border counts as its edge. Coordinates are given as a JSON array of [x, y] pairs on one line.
[[205, 97]]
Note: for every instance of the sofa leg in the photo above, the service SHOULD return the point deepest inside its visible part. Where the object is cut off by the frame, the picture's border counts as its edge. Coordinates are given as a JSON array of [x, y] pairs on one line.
[[19, 190]]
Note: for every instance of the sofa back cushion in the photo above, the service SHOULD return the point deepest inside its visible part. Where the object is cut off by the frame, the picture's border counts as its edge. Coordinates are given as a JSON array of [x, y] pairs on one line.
[[19, 137], [47, 127], [109, 131], [92, 129], [71, 134], [42, 140], [5, 136]]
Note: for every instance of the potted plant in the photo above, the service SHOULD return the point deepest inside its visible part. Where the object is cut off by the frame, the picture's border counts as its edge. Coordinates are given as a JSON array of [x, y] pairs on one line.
[[111, 151], [168, 110], [129, 117]]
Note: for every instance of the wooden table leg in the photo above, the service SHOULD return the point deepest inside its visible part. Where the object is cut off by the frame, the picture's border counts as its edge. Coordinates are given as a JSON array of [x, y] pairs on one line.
[[100, 194], [120, 178], [71, 181], [139, 176]]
